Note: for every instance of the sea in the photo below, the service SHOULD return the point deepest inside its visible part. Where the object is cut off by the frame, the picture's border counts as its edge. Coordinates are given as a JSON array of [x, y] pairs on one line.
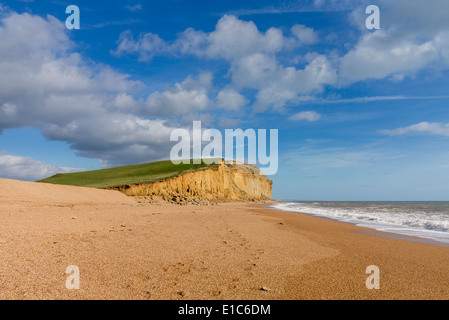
[[426, 220]]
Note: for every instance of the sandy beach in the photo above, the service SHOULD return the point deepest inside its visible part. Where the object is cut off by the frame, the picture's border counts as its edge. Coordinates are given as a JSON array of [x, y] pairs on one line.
[[126, 249]]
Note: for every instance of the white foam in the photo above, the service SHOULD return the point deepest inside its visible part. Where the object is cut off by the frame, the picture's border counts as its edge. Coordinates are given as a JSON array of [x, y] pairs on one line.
[[389, 218]]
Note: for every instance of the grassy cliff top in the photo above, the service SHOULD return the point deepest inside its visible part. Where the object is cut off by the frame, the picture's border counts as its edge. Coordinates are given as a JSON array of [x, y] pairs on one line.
[[127, 175]]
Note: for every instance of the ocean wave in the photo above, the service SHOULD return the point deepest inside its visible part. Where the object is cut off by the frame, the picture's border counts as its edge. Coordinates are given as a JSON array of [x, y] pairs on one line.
[[423, 219]]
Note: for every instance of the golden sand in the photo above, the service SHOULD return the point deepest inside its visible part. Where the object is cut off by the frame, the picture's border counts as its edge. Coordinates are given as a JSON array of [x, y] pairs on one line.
[[130, 250]]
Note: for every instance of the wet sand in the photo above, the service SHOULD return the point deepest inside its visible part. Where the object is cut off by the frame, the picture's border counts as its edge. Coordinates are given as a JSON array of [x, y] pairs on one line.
[[130, 250]]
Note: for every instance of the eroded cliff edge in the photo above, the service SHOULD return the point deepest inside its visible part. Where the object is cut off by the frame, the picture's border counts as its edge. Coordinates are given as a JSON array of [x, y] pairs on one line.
[[221, 183]]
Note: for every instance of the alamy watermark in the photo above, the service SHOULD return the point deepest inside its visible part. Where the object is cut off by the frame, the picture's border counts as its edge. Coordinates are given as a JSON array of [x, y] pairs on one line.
[[190, 146], [72, 21], [373, 21], [73, 280], [373, 281]]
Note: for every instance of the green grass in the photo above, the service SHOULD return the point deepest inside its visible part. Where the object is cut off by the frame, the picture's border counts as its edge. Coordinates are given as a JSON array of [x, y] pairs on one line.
[[121, 176]]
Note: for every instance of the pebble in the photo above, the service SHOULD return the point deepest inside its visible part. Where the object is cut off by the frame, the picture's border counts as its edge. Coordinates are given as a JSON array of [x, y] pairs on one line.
[[265, 289]]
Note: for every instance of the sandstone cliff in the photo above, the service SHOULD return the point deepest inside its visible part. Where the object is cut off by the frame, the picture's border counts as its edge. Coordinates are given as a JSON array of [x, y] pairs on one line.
[[225, 182]]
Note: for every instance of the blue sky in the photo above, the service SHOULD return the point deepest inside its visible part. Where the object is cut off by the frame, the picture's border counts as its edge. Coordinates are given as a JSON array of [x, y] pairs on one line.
[[362, 114]]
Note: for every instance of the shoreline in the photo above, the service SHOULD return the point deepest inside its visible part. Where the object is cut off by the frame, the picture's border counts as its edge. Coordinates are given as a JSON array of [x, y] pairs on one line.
[[415, 269], [130, 250], [374, 231]]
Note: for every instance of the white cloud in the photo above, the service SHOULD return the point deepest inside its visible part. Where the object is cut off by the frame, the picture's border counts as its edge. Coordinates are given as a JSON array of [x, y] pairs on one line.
[[283, 85], [376, 98], [27, 168], [230, 99], [123, 102], [147, 46], [432, 128], [414, 36], [380, 55], [115, 138], [206, 119], [182, 98], [304, 34], [229, 123], [252, 58], [232, 39], [410, 18], [134, 8], [44, 83], [253, 71], [253, 62], [306, 115]]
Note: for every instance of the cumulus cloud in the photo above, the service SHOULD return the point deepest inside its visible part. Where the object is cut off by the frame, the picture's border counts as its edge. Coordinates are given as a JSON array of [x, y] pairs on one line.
[[45, 83], [27, 168], [380, 55], [252, 58], [283, 85], [207, 119], [232, 38], [230, 99], [115, 138], [147, 45], [310, 116], [304, 34], [432, 128], [42, 80], [188, 96], [414, 35], [229, 123]]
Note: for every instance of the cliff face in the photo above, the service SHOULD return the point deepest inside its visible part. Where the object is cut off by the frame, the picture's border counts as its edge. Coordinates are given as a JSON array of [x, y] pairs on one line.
[[225, 182]]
